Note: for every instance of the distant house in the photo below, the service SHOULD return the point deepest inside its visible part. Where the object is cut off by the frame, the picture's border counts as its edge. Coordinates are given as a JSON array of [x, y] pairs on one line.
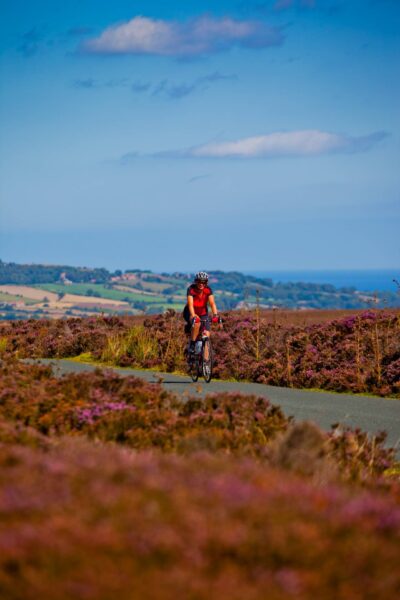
[[64, 279], [125, 277]]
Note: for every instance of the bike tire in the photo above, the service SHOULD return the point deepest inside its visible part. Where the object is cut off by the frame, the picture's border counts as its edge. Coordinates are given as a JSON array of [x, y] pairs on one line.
[[194, 369], [207, 364]]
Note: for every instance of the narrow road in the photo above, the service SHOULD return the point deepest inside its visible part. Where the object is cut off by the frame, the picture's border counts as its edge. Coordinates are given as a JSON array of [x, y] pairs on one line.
[[371, 414]]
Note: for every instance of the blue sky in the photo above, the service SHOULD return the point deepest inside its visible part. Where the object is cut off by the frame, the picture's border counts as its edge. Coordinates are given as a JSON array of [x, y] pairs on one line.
[[194, 134]]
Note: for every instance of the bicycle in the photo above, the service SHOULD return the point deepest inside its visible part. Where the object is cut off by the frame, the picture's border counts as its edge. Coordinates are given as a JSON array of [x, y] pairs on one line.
[[201, 362]]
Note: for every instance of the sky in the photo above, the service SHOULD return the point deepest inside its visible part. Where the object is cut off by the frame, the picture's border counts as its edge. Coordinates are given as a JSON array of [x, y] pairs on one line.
[[197, 135]]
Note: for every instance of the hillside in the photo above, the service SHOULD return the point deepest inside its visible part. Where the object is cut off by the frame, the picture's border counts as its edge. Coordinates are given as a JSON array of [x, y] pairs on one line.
[[55, 291]]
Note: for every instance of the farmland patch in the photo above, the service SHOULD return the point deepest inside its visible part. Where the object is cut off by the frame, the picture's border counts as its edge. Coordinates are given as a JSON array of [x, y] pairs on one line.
[[33, 293]]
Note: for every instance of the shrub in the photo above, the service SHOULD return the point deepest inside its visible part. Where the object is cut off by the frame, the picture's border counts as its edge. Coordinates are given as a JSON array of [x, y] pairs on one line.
[[129, 410]]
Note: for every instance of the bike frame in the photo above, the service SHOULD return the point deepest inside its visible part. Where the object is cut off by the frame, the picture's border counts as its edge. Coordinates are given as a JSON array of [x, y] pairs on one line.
[[198, 364]]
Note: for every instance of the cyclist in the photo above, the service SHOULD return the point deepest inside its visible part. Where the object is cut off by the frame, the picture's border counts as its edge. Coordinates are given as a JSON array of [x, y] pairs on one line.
[[199, 295]]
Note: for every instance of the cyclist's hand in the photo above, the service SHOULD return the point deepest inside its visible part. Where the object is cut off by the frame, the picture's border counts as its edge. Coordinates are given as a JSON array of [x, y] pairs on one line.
[[215, 319], [195, 320]]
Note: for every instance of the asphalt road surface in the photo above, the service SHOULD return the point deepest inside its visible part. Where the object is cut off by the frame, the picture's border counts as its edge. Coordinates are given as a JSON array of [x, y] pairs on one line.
[[371, 414]]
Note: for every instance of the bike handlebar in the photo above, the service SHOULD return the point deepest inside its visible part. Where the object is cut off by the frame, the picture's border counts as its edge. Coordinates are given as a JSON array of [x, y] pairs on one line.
[[214, 319]]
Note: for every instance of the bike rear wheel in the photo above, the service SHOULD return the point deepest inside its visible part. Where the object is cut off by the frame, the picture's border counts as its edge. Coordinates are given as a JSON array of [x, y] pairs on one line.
[[207, 362]]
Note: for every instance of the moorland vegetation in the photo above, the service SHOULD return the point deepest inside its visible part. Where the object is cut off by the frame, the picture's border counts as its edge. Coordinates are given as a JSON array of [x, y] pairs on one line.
[[359, 352], [112, 487]]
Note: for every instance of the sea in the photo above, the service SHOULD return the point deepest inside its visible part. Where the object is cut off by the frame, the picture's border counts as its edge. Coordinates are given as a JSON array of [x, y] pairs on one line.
[[363, 280]]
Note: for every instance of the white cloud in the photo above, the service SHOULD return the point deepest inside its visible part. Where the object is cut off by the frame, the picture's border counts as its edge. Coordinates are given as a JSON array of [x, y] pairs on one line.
[[203, 35], [292, 143], [274, 144]]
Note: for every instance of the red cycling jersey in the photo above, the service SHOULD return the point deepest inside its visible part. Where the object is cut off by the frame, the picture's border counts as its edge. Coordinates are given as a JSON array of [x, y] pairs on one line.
[[200, 299]]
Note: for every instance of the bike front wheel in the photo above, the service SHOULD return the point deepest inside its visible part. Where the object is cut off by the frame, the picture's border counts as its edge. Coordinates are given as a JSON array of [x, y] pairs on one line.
[[194, 368], [207, 363]]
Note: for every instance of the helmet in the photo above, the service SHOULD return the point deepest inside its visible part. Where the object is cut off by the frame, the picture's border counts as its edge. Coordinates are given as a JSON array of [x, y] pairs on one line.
[[201, 276]]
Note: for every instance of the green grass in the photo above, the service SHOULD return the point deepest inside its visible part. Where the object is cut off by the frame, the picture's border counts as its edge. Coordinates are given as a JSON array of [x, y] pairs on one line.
[[394, 471], [87, 359]]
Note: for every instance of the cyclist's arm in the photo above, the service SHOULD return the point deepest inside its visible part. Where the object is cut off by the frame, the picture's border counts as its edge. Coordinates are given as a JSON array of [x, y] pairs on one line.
[[213, 305], [191, 306]]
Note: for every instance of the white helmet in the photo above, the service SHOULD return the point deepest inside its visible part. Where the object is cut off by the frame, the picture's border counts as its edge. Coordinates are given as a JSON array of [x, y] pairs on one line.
[[201, 276]]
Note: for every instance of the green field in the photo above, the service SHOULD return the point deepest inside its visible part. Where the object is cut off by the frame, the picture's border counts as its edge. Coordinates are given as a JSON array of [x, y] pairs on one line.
[[8, 298], [81, 289], [155, 287], [150, 286]]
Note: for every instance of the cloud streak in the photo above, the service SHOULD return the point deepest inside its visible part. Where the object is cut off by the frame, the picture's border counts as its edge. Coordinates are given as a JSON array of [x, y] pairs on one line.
[[283, 4], [282, 144], [30, 42], [329, 6], [200, 36], [138, 87], [196, 178], [271, 6], [175, 91], [164, 88], [91, 84], [79, 31]]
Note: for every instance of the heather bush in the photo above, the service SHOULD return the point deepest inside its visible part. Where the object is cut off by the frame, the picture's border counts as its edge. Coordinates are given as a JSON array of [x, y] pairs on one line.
[[103, 406], [357, 353], [114, 488], [349, 454], [12, 432], [94, 521], [306, 450], [357, 455], [59, 337], [131, 411]]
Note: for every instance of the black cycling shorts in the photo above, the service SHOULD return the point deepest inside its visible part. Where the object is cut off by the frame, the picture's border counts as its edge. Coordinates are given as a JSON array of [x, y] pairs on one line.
[[205, 321]]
